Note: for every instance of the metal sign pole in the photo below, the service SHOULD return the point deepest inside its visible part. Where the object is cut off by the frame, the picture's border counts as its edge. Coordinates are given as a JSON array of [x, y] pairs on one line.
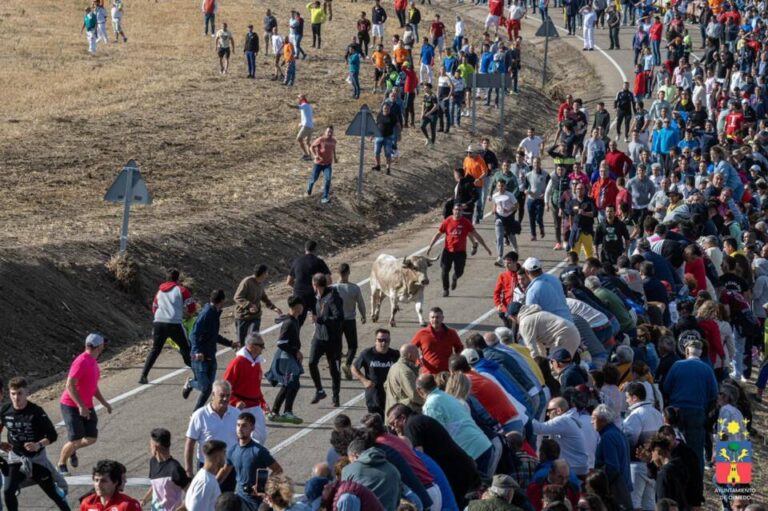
[[364, 109], [474, 101], [501, 105], [544, 68], [126, 209]]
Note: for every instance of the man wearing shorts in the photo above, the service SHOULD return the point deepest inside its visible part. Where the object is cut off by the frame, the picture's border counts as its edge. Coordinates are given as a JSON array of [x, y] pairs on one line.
[[378, 18], [77, 402], [224, 42], [495, 12], [306, 127], [117, 19]]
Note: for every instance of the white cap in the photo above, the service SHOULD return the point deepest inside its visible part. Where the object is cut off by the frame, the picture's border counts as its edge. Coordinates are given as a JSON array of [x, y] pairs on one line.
[[471, 355], [532, 264], [94, 340]]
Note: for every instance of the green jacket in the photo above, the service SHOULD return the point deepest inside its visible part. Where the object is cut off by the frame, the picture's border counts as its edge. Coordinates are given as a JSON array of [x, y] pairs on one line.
[[509, 178]]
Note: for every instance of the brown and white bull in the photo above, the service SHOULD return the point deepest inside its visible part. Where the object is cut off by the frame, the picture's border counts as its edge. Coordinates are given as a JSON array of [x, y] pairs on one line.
[[402, 280]]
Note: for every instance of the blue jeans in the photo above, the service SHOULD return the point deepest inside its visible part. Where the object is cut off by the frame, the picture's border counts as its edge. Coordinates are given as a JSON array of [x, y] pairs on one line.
[[355, 77], [205, 374], [327, 172], [656, 49], [544, 14], [457, 43], [692, 426], [250, 57], [456, 103], [536, 214], [209, 18], [480, 204], [298, 50], [290, 73], [626, 8]]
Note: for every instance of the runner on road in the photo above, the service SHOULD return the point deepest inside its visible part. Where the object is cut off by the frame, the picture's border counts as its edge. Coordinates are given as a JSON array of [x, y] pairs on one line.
[[77, 402], [300, 278], [286, 364], [108, 480], [353, 301], [371, 368], [456, 229]]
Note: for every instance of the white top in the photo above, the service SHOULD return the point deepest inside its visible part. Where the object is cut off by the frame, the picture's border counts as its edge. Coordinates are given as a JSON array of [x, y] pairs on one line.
[[459, 29], [458, 84], [117, 9], [170, 306], [101, 14], [203, 492], [277, 44], [532, 147], [516, 12], [504, 204], [307, 119], [643, 420], [589, 18], [205, 424], [594, 317]]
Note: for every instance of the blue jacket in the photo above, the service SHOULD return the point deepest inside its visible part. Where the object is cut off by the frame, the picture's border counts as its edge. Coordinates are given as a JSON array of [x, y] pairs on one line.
[[690, 383], [449, 501], [612, 454], [205, 333], [513, 367]]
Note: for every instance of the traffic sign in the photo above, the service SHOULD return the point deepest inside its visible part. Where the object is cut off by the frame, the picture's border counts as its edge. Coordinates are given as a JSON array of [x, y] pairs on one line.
[[547, 29], [137, 188], [488, 80], [363, 125], [129, 187]]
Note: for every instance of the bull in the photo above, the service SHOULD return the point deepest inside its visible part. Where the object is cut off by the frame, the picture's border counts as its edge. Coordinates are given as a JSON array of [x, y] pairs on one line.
[[402, 280]]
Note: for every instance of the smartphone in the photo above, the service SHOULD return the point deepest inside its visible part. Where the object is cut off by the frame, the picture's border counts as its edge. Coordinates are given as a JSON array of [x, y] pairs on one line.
[[261, 479]]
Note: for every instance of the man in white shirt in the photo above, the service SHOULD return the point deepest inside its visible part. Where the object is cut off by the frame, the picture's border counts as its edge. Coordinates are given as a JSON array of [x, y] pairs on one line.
[[117, 19], [564, 426], [532, 145], [204, 489], [215, 421], [306, 126], [589, 19], [504, 206], [224, 43], [101, 23], [277, 51], [641, 423]]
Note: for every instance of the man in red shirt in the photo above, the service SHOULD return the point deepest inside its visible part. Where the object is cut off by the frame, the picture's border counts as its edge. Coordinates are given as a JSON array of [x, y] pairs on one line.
[[456, 229], [107, 482], [618, 162], [437, 343], [734, 122], [506, 282], [655, 33], [437, 31], [565, 107], [323, 151], [604, 191]]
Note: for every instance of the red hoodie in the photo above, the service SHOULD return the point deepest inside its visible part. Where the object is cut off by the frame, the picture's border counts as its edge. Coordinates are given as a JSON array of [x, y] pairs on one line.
[[604, 192], [244, 375]]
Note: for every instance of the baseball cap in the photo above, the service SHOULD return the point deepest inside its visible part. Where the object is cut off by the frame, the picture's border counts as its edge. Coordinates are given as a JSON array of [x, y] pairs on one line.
[[470, 149], [689, 339], [471, 355], [95, 340], [560, 355], [532, 264]]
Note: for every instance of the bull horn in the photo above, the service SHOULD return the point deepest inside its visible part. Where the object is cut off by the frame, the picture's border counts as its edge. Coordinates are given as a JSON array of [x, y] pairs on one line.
[[433, 259], [405, 262]]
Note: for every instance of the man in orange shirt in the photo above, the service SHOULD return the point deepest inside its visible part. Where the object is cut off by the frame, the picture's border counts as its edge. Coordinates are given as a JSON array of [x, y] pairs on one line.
[[290, 59], [503, 293], [475, 166], [437, 343], [379, 58], [456, 229], [401, 53]]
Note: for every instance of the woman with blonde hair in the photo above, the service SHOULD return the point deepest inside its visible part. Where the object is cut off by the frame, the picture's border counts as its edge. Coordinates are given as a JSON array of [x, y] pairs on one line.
[[721, 356], [279, 494]]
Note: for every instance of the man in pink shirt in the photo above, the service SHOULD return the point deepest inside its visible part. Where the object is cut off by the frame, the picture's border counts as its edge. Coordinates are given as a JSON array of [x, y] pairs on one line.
[[77, 402]]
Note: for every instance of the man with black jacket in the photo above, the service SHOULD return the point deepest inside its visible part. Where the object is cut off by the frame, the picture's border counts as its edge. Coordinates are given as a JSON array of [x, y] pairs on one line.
[[464, 193], [251, 49], [270, 22], [328, 318], [286, 364], [300, 277], [625, 110], [205, 337], [29, 432]]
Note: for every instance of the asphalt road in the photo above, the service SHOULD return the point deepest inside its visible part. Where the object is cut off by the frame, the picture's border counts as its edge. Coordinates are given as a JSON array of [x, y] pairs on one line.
[[138, 409]]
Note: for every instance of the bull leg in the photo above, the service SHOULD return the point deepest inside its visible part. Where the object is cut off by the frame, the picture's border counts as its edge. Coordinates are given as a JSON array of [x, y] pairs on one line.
[[419, 310], [393, 305], [376, 297]]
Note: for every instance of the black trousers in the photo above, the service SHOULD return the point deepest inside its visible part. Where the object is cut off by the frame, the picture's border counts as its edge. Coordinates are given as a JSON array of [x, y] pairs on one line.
[[349, 329], [332, 351], [365, 40], [309, 302], [613, 37], [430, 121], [626, 117], [287, 394], [401, 17], [457, 260], [316, 34], [161, 332], [41, 475]]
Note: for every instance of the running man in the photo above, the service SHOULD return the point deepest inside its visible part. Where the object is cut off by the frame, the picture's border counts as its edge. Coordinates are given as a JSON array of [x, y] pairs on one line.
[[77, 402], [30, 430], [456, 229]]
